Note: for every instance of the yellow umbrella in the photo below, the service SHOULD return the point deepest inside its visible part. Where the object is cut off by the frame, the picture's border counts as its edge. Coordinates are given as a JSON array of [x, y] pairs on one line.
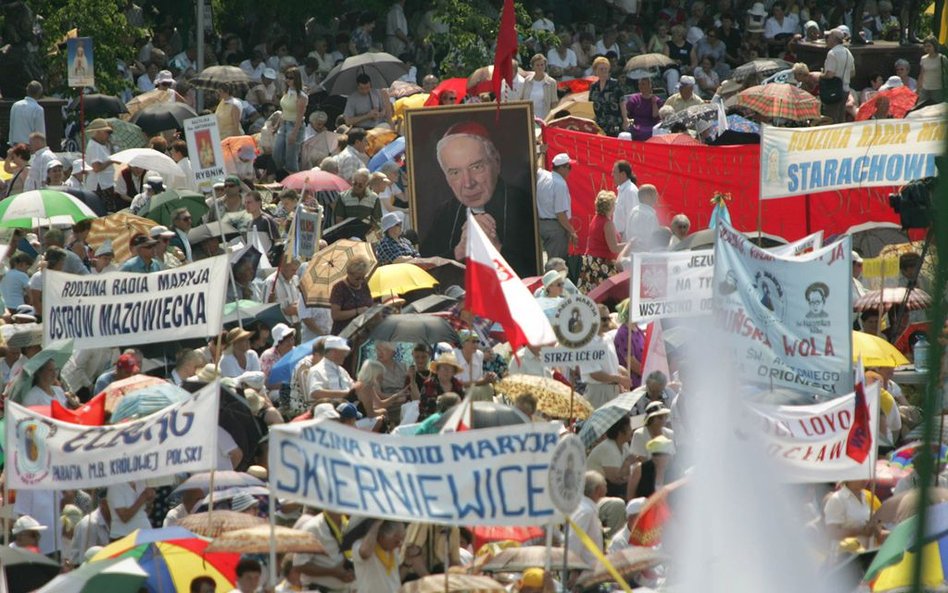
[[406, 103], [876, 352], [377, 138], [398, 279], [118, 228]]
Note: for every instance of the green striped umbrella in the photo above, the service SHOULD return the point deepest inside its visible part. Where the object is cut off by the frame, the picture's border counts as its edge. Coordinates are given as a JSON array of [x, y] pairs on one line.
[[43, 207]]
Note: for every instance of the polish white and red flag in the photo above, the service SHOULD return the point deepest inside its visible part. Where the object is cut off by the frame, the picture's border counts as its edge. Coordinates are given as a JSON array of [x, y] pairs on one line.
[[496, 292]]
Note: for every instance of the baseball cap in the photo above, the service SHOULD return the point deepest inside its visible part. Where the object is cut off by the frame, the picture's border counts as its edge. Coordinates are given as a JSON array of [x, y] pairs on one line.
[[336, 343], [857, 259], [127, 362], [53, 163], [348, 411], [160, 231], [232, 179], [563, 159], [142, 240]]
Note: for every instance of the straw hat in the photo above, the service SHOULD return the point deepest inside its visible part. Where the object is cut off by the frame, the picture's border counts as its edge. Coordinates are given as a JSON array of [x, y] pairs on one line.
[[98, 125], [207, 374], [447, 359], [238, 333]]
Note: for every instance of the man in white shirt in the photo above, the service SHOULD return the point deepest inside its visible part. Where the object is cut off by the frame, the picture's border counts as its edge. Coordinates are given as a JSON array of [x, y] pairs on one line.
[[91, 530], [127, 503], [328, 379], [839, 64], [42, 157], [99, 156], [586, 517], [327, 570], [781, 23], [608, 42], [554, 208], [396, 29], [627, 195], [643, 221], [254, 66], [26, 116], [561, 60], [353, 157]]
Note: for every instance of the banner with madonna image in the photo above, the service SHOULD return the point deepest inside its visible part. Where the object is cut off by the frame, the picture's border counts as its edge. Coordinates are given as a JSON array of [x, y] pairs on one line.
[[788, 319]]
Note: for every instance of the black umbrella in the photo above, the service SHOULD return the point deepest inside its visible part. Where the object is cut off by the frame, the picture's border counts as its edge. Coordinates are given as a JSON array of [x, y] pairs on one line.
[[414, 327], [382, 68], [235, 417], [25, 570], [217, 77], [430, 304], [732, 137], [88, 198], [159, 117], [269, 313], [363, 323], [96, 105], [762, 67], [488, 415]]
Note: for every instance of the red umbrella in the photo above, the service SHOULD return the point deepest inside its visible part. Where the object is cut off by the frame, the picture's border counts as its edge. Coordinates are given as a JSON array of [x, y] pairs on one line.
[[457, 85], [523, 535], [901, 100], [647, 530], [676, 139], [613, 288], [577, 85], [315, 180]]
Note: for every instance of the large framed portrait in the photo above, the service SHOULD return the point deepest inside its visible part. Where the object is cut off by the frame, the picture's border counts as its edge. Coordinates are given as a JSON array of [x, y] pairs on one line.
[[478, 158]]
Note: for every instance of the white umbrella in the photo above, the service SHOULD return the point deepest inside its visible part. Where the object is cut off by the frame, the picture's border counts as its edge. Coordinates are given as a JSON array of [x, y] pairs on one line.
[[150, 160], [116, 575]]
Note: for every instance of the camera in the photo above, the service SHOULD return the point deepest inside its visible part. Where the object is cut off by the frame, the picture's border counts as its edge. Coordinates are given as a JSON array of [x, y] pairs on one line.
[[913, 203]]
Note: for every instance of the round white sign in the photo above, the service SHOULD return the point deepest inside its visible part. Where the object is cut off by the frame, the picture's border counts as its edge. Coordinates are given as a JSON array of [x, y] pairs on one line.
[[567, 469], [576, 321]]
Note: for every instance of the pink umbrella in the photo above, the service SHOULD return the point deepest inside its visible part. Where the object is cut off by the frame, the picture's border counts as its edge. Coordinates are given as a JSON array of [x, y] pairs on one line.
[[676, 139], [315, 180]]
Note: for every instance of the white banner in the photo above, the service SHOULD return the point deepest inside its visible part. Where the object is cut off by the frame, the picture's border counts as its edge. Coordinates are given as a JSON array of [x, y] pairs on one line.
[[123, 308], [46, 454], [809, 442], [789, 318], [872, 153], [586, 357], [416, 478], [678, 283], [204, 148]]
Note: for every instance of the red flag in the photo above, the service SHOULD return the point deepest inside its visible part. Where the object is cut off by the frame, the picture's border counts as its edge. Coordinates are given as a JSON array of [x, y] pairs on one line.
[[495, 291], [859, 441], [90, 414], [460, 419], [506, 49]]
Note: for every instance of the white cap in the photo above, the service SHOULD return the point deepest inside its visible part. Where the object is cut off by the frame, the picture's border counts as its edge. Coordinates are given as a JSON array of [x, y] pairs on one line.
[[336, 343], [53, 163], [635, 506], [857, 259], [391, 219], [281, 331], [160, 231], [893, 82], [269, 73], [562, 159], [79, 166], [325, 411], [105, 249], [27, 523]]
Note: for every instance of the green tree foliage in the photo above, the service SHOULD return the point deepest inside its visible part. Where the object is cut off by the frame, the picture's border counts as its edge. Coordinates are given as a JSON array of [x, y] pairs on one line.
[[473, 28], [104, 21]]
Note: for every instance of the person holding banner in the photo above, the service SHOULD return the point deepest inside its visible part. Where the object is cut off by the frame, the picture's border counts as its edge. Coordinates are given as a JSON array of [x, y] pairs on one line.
[[378, 561]]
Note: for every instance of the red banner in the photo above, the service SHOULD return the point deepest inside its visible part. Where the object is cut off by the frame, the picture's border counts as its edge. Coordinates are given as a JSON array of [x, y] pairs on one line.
[[687, 177]]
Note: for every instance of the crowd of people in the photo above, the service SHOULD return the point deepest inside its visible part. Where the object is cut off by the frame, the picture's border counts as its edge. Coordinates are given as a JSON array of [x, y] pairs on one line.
[[283, 126]]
